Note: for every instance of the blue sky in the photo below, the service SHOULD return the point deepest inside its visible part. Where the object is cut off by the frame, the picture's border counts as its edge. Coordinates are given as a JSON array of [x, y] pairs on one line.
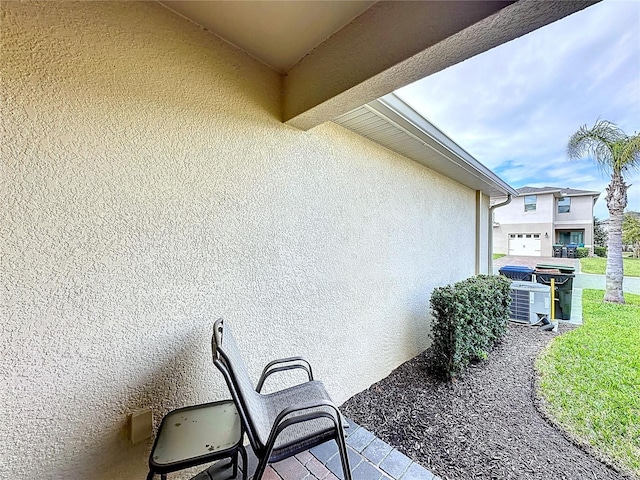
[[514, 107]]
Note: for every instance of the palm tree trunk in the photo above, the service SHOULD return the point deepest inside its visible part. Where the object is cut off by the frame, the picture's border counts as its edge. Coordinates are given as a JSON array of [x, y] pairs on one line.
[[616, 202]]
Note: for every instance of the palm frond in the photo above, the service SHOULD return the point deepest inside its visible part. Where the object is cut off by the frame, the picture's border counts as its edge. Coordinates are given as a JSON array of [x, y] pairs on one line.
[[629, 156], [597, 143]]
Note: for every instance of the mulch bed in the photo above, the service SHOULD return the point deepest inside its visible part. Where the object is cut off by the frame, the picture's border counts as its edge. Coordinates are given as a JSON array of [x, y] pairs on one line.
[[483, 426]]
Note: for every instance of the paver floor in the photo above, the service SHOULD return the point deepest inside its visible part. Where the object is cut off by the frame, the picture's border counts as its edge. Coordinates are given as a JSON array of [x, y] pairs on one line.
[[370, 459]]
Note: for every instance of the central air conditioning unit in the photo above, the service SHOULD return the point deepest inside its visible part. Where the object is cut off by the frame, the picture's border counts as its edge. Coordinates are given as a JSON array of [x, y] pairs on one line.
[[530, 302]]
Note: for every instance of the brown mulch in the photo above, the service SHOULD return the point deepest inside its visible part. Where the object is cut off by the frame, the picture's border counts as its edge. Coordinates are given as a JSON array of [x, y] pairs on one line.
[[483, 426]]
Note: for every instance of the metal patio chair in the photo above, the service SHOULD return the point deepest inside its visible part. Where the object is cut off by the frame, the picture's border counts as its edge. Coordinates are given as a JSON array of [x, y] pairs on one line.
[[283, 423]]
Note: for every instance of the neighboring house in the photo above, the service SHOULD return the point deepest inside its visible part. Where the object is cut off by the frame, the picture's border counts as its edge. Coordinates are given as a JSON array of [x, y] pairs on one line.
[[538, 218], [156, 177]]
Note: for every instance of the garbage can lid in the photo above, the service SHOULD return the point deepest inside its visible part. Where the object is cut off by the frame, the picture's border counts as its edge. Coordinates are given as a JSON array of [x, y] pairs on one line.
[[552, 266], [516, 268]]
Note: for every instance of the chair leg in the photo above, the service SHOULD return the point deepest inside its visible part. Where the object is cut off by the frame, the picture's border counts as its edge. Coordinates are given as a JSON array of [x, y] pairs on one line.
[[262, 466], [344, 456], [234, 461], [245, 463], [150, 475]]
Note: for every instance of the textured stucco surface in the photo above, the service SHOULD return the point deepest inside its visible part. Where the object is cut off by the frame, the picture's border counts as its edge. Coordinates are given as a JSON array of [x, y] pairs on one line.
[[545, 219], [148, 187]]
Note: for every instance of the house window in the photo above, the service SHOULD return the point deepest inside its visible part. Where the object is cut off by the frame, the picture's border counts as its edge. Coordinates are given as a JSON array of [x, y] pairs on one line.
[[530, 203], [564, 205], [568, 237]]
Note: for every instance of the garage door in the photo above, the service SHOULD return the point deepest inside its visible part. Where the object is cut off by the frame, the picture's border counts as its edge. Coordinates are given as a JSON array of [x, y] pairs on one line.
[[526, 244]]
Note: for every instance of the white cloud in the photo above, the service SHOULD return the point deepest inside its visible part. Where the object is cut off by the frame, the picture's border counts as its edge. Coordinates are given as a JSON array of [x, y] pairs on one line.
[[515, 106]]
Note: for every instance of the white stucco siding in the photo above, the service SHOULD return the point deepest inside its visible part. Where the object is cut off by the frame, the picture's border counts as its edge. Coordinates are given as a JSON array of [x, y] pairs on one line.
[[148, 187], [545, 220], [579, 217], [581, 211]]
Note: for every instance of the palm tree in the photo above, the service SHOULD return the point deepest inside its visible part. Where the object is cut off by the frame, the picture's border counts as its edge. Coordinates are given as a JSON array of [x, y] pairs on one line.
[[615, 152]]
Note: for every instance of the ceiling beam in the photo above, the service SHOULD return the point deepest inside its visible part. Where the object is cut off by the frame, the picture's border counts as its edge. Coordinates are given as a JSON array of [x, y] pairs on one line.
[[393, 44]]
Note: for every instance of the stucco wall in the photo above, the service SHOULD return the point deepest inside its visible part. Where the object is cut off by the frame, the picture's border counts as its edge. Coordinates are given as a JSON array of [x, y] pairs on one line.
[[513, 219], [501, 236], [579, 217], [514, 212], [580, 211], [546, 219], [148, 187]]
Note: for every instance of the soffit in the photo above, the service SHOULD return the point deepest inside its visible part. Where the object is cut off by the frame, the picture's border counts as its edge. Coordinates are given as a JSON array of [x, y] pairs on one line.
[[391, 123], [278, 33]]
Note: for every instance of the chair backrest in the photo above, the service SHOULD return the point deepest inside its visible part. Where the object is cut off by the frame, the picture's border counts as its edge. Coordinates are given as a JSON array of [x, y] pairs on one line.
[[249, 403]]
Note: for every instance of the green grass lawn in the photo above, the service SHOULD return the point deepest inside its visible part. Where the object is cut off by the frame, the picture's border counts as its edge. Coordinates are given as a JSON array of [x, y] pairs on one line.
[[599, 265], [498, 255], [590, 377]]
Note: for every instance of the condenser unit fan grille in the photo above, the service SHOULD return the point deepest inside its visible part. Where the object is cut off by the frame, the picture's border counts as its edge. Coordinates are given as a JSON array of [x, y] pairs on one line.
[[520, 306], [530, 302]]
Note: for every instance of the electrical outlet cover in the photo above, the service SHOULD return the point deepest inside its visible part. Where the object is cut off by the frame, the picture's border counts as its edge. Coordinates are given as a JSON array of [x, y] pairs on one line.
[[141, 425]]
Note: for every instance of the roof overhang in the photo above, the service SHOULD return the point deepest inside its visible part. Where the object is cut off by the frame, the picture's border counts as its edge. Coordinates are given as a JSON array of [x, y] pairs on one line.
[[387, 46], [390, 122], [582, 194], [394, 43], [557, 193]]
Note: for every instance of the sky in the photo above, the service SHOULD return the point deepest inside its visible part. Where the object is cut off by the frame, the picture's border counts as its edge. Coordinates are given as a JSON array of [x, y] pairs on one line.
[[514, 107]]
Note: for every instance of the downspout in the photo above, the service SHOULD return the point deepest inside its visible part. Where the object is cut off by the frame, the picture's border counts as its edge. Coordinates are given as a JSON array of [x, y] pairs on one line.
[[491, 208]]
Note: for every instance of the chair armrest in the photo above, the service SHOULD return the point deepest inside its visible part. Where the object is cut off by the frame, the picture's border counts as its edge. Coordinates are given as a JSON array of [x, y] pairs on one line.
[[281, 422], [290, 363]]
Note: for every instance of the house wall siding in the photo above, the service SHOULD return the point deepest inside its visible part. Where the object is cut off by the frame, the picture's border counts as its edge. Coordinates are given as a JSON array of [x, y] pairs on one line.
[[513, 219], [149, 187], [579, 217], [581, 211]]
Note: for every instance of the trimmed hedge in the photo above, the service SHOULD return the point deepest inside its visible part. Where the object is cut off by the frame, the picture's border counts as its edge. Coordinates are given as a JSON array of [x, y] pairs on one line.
[[582, 252], [470, 317], [600, 251]]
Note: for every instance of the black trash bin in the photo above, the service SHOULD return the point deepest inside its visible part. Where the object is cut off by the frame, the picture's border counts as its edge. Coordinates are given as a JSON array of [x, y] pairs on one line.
[[563, 290], [554, 266], [572, 250], [557, 250], [517, 272]]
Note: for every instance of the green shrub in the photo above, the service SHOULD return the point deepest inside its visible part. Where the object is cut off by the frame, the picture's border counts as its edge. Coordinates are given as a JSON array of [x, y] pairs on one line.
[[600, 251], [582, 252], [469, 318]]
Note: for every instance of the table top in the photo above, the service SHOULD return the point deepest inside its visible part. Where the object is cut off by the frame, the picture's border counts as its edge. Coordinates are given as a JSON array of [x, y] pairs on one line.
[[209, 431]]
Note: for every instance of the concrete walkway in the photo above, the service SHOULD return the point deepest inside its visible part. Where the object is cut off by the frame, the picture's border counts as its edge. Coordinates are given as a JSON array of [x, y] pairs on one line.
[[590, 280], [370, 459], [580, 282]]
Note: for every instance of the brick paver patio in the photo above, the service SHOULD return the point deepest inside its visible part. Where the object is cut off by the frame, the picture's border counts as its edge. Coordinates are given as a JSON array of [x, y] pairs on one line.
[[370, 459]]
